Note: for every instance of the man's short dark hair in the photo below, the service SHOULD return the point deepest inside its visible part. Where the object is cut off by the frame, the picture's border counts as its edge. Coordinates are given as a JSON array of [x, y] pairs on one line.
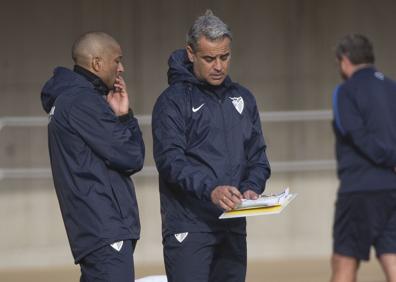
[[357, 48]]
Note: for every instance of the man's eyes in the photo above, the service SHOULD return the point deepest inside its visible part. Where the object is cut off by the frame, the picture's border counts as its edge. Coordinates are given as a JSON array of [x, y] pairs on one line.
[[211, 59]]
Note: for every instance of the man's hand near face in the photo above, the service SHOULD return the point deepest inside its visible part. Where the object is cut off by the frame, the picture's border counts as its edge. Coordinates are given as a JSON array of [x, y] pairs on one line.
[[118, 97]]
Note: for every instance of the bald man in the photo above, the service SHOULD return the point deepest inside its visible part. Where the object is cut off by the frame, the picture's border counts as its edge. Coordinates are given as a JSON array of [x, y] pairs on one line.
[[95, 145]]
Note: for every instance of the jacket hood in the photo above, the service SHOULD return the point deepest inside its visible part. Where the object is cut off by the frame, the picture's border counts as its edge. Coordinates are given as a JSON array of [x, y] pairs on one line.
[[181, 69], [62, 81]]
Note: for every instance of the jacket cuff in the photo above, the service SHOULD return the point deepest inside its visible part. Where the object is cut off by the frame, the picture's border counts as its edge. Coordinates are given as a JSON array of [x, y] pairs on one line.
[[208, 191], [127, 117]]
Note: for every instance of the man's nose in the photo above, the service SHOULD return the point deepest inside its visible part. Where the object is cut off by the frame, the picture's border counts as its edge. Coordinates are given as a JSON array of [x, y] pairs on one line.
[[120, 68], [217, 65]]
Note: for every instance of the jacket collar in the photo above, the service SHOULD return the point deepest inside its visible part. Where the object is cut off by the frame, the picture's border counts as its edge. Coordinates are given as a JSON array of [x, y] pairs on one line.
[[98, 83], [363, 70]]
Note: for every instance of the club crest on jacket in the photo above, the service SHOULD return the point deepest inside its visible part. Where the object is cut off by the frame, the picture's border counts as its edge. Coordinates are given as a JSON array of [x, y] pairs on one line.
[[238, 103]]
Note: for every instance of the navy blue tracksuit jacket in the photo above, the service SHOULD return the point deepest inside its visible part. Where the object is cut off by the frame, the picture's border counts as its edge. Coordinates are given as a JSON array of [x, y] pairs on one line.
[[93, 153], [204, 137], [365, 128]]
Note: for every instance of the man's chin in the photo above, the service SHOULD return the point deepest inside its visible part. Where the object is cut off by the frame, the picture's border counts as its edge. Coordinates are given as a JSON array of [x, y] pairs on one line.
[[110, 84], [215, 82]]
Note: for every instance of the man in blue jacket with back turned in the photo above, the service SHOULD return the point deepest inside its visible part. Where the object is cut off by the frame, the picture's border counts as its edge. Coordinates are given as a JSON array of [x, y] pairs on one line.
[[365, 130], [95, 145], [210, 153]]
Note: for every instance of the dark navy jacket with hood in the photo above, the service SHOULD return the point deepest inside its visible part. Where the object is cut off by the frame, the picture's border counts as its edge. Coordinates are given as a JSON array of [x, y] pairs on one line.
[[93, 153], [204, 136], [365, 128]]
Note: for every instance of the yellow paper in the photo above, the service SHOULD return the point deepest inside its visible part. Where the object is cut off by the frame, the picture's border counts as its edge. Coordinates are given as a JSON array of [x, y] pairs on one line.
[[257, 211]]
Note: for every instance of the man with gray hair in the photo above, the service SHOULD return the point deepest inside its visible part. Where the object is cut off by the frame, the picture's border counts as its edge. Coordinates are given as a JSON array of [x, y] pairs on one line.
[[210, 153]]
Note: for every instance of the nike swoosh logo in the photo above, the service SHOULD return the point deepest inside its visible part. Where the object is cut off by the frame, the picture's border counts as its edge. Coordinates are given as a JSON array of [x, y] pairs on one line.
[[197, 109]]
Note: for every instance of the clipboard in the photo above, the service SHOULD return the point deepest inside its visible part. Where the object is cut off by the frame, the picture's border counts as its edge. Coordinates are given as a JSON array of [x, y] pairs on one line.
[[254, 211]]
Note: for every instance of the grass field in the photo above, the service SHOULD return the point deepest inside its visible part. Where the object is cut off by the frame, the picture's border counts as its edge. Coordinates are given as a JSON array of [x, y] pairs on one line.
[[272, 271]]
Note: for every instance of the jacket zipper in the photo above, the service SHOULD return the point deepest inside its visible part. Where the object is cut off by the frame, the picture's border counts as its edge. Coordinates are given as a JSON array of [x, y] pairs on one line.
[[225, 138]]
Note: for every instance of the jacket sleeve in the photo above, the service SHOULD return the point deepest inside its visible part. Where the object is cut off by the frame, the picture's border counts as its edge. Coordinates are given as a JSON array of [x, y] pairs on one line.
[[350, 122], [169, 142], [117, 141], [258, 168]]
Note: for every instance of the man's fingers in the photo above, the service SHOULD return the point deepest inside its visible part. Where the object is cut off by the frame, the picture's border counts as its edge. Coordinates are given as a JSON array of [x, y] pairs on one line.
[[236, 200], [109, 96], [118, 87], [229, 202], [120, 83], [226, 197], [230, 199], [225, 204], [247, 195], [120, 79], [225, 207], [236, 192], [250, 195]]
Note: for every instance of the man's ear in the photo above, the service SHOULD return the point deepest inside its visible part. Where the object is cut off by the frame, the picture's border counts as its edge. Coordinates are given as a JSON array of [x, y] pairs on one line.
[[346, 60], [96, 64], [190, 53]]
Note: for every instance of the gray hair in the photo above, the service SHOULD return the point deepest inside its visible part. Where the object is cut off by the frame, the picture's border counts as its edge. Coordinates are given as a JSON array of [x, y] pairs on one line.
[[209, 26]]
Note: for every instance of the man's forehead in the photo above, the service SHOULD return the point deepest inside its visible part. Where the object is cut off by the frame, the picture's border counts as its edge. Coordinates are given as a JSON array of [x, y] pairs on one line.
[[213, 48], [114, 50]]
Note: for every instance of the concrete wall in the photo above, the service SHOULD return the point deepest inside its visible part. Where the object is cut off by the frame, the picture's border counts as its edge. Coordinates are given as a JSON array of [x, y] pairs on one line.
[[282, 51]]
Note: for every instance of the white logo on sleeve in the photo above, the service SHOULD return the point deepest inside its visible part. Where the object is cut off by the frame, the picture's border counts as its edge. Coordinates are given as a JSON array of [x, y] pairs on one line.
[[181, 236], [238, 103], [379, 75], [197, 109], [117, 245], [51, 113]]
